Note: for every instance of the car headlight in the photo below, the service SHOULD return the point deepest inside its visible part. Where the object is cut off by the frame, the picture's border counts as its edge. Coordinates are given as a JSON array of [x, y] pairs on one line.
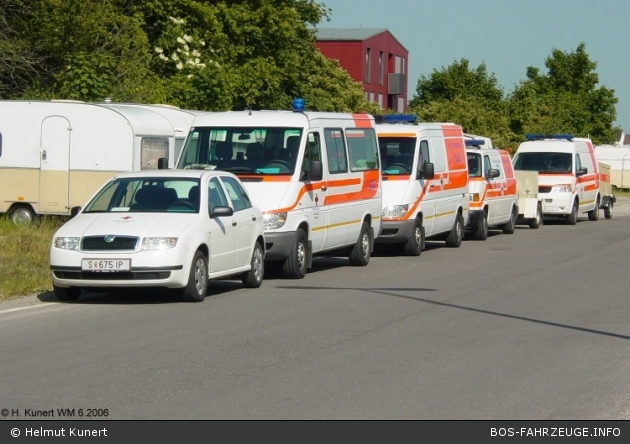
[[271, 221], [67, 243], [158, 243], [395, 211], [563, 188]]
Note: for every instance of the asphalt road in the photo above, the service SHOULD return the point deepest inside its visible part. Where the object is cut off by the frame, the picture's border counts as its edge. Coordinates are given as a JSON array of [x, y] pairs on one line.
[[529, 326]]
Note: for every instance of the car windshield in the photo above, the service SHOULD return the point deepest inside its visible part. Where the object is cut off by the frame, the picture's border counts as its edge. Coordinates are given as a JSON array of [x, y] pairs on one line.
[[257, 150], [147, 194], [544, 162], [397, 154]]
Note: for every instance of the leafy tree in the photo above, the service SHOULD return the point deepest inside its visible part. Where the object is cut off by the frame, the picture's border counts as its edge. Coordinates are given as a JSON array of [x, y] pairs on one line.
[[565, 100]]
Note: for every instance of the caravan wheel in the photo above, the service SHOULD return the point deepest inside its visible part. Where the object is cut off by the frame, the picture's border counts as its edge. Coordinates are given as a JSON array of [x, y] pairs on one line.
[[21, 215]]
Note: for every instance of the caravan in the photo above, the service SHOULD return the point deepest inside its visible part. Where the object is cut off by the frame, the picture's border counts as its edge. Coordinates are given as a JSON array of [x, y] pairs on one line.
[[315, 175], [55, 154]]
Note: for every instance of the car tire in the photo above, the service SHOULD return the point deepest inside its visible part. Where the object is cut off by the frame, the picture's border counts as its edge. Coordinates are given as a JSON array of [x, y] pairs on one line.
[[481, 233], [608, 211], [67, 294], [294, 267], [254, 277], [455, 236], [415, 243], [197, 286], [593, 215], [572, 218], [537, 221], [510, 227], [21, 215], [362, 250]]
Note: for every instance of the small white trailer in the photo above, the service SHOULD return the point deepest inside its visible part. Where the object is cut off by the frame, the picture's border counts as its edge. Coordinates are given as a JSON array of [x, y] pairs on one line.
[[529, 204], [55, 154]]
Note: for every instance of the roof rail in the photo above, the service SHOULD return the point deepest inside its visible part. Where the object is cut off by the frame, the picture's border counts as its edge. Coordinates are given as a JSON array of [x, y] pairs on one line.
[[549, 136], [396, 118]]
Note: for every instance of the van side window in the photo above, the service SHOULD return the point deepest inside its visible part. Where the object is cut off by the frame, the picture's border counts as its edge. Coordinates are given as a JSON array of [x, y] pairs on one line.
[[238, 195], [362, 149], [423, 154], [578, 163], [0, 144], [335, 150], [438, 154]]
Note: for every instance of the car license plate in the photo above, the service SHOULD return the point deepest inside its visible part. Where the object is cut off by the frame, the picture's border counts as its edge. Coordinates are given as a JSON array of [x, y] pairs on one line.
[[106, 264]]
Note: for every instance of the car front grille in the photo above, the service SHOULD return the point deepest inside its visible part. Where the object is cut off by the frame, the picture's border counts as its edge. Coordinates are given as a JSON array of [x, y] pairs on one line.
[[119, 243], [544, 189]]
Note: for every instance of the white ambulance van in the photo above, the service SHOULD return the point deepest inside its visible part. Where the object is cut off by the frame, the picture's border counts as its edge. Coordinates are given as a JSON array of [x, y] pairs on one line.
[[315, 176], [568, 175], [492, 185], [425, 182]]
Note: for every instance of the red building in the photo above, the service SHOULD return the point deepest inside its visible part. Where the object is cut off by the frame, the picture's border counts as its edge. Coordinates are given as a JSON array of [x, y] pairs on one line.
[[373, 57]]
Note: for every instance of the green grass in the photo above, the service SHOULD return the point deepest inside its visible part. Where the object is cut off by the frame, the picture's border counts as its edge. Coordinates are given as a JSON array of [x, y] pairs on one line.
[[24, 257]]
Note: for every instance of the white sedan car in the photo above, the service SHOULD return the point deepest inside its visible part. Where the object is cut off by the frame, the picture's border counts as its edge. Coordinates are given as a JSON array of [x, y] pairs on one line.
[[162, 228]]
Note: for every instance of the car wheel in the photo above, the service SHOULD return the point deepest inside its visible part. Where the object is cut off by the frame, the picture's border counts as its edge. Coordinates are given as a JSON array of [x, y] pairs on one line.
[[67, 294], [593, 215], [455, 236], [197, 286], [21, 215], [361, 251], [572, 218], [294, 266], [510, 227], [608, 211], [481, 233], [254, 277], [415, 243], [538, 220]]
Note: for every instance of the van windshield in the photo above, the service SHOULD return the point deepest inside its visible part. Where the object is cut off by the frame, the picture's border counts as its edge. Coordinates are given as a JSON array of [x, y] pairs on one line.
[[397, 154], [544, 162], [257, 150]]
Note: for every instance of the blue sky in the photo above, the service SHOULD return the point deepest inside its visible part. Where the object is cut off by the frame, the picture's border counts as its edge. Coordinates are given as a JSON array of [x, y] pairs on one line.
[[507, 35]]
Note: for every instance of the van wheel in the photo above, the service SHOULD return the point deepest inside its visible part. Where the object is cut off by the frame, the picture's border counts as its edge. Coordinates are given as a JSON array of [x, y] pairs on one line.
[[361, 252], [294, 267], [572, 218], [481, 233], [254, 277], [455, 236], [538, 220], [415, 243], [593, 215], [511, 225], [197, 286], [67, 294], [21, 215], [608, 211]]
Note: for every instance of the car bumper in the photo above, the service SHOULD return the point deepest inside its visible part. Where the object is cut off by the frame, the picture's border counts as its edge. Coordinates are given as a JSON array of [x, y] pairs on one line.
[[557, 204], [278, 246], [395, 231]]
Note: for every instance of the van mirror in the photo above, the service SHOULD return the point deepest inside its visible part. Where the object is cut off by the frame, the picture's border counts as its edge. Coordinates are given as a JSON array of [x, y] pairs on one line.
[[220, 211], [162, 163], [74, 211], [581, 172], [427, 171], [312, 170], [492, 172]]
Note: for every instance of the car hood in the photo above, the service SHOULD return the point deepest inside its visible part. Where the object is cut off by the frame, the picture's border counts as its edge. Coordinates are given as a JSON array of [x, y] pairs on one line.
[[125, 224]]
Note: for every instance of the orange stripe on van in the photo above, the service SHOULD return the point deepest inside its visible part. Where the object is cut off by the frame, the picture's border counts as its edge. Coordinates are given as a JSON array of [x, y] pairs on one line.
[[285, 178], [411, 135], [368, 190], [452, 131], [362, 120]]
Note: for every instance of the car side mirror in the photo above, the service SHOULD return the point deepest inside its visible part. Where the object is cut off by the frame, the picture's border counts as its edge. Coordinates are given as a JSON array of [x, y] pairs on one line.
[[581, 172], [74, 211], [427, 171], [492, 173], [221, 211]]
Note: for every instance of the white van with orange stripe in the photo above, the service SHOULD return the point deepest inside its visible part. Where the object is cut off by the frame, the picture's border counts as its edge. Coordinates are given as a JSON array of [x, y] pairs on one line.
[[493, 196], [425, 182], [568, 174], [315, 175]]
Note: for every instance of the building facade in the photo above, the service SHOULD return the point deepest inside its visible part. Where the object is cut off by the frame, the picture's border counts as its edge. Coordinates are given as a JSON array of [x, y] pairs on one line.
[[373, 57]]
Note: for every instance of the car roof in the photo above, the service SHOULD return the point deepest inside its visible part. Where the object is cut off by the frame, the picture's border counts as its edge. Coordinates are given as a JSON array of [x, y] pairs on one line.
[[195, 174]]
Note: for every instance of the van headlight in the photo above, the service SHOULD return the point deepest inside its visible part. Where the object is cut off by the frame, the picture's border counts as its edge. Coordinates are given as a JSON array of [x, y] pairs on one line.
[[395, 211], [272, 221], [67, 243], [158, 243], [562, 188]]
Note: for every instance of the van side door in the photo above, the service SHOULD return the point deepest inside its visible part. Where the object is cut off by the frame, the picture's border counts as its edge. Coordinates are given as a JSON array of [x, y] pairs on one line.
[[312, 203]]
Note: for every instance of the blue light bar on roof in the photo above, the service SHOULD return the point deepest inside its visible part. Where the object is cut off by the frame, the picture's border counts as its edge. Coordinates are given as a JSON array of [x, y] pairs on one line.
[[298, 105], [396, 118], [549, 136], [474, 142]]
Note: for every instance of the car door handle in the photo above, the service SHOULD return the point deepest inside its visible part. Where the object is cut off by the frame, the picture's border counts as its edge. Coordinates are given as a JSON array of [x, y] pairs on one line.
[[324, 188], [253, 218], [234, 223]]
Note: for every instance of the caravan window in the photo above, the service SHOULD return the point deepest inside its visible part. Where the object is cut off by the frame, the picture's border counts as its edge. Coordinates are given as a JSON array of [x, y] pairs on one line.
[[0, 144], [151, 149]]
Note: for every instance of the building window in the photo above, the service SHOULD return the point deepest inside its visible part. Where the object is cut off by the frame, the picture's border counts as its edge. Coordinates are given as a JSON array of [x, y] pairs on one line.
[[371, 97], [368, 66], [380, 101], [381, 68]]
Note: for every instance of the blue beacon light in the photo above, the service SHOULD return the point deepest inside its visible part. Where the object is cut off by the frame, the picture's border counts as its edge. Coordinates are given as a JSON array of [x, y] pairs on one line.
[[298, 105]]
